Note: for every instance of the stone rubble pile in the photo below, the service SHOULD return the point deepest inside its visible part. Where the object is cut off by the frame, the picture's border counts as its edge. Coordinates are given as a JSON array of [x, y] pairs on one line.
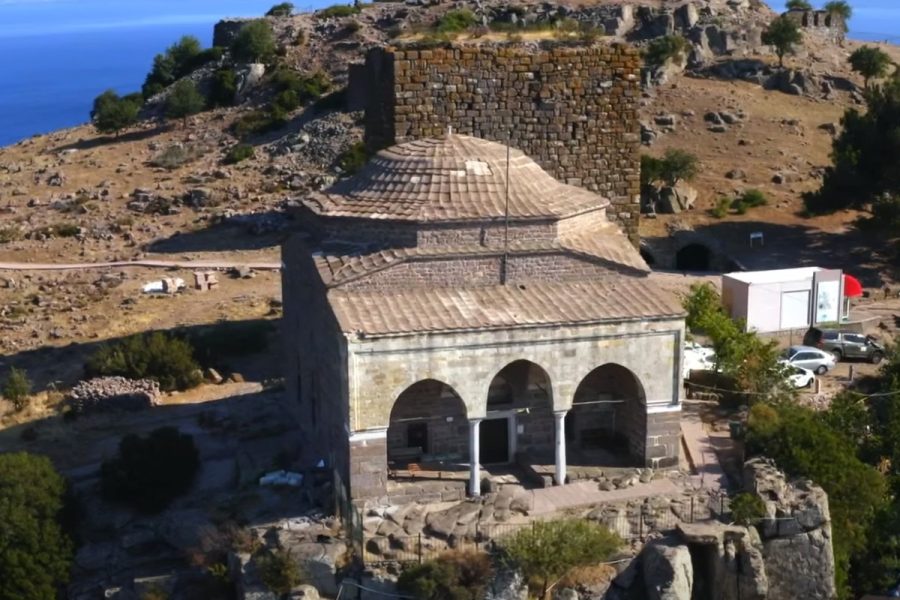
[[113, 393]]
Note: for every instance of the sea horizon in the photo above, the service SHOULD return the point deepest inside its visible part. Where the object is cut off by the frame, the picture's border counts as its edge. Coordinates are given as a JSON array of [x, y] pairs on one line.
[[58, 55]]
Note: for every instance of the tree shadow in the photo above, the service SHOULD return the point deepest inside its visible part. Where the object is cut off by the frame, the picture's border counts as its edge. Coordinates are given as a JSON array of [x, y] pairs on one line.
[[106, 140], [230, 235]]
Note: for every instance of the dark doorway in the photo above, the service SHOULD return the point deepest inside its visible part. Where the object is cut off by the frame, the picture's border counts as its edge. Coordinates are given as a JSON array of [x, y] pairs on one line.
[[494, 440], [417, 436], [648, 258], [693, 257]]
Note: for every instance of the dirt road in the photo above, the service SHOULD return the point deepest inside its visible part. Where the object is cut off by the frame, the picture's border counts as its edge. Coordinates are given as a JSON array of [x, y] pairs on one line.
[[164, 264]]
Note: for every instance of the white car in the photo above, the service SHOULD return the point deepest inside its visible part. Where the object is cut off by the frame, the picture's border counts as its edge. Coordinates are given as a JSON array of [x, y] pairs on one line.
[[800, 377], [807, 357]]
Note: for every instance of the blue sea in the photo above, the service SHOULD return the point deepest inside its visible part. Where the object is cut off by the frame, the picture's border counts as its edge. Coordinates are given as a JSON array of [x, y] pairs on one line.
[[57, 55]]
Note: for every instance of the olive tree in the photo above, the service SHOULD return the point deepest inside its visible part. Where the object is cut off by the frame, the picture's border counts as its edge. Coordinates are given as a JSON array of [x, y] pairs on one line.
[[254, 42], [870, 62], [782, 33], [112, 113], [184, 100]]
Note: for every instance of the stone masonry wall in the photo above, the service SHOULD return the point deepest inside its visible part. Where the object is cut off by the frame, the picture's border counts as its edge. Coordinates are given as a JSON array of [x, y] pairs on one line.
[[574, 110]]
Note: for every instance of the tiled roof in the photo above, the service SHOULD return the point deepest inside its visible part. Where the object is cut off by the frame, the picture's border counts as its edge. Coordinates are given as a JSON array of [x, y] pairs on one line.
[[452, 178], [423, 310], [607, 245]]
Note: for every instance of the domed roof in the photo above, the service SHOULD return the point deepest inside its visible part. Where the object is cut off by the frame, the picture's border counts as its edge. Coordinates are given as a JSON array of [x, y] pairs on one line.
[[453, 178]]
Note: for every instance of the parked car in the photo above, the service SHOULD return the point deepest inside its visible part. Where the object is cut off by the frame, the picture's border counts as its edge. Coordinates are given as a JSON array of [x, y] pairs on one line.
[[817, 361], [800, 377], [843, 344]]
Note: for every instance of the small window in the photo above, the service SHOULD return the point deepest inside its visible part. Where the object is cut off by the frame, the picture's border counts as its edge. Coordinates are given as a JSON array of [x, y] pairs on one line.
[[855, 338]]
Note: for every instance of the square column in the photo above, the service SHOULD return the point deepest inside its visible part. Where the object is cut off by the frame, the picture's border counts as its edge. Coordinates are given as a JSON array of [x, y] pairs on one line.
[[559, 418], [474, 457]]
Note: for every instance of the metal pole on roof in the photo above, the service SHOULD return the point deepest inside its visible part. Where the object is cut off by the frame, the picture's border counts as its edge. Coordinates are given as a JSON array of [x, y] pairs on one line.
[[506, 218]]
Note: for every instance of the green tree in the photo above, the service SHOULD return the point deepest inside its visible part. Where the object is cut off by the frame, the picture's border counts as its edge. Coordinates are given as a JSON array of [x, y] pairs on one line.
[[675, 165], [453, 576], [178, 60], [148, 473], [223, 88], [112, 114], [254, 42], [840, 9], [783, 34], [35, 553], [17, 387], [865, 155], [550, 549], [666, 48], [158, 356], [798, 5], [279, 571], [184, 100], [747, 509], [285, 9], [870, 62]]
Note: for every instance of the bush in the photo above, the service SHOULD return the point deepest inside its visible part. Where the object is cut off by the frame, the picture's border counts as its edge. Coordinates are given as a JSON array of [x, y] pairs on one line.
[[35, 554], [285, 9], [286, 100], [10, 234], [155, 355], [753, 198], [453, 576], [177, 155], [720, 210], [353, 158], [747, 509], [238, 153], [149, 473], [257, 122], [666, 48], [112, 114], [223, 88], [254, 42], [279, 571], [305, 87], [456, 20], [213, 345], [798, 5], [337, 11], [17, 387], [550, 549], [184, 101]]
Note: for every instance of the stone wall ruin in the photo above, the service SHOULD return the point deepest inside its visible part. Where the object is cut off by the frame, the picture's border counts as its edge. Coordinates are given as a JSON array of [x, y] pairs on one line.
[[574, 110]]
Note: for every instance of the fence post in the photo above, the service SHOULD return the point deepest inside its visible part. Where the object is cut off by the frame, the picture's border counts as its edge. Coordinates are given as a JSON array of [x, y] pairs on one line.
[[420, 548]]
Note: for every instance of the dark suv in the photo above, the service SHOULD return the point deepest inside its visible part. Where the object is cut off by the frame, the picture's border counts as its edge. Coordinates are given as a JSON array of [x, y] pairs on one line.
[[844, 344]]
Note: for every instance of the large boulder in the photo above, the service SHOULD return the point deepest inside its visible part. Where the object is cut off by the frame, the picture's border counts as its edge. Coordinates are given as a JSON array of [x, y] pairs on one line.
[[674, 199], [668, 571]]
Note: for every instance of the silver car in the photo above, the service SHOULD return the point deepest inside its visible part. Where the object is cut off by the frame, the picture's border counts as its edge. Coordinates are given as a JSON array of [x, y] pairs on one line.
[[807, 357]]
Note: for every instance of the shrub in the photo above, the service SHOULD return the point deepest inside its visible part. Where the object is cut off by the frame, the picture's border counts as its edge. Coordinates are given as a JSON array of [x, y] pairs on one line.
[[353, 159], [798, 5], [285, 9], [112, 114], [666, 48], [10, 234], [456, 20], [753, 198], [148, 473], [352, 26], [254, 42], [63, 230], [279, 571], [17, 387], [223, 88], [720, 210], [257, 122], [36, 553], [156, 355], [453, 576], [177, 155], [747, 509], [215, 344], [337, 10], [305, 87], [184, 101], [238, 153], [286, 100], [550, 549]]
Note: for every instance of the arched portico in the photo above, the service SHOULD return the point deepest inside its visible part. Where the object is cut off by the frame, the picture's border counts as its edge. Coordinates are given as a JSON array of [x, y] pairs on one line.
[[427, 421], [608, 418]]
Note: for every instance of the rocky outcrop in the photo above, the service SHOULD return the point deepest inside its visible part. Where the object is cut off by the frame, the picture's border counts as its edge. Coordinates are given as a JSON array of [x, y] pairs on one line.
[[113, 393], [785, 555], [226, 30]]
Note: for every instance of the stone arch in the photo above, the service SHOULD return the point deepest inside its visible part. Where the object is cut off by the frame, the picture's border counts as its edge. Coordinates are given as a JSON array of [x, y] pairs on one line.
[[607, 423], [428, 420], [519, 411], [694, 257]]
